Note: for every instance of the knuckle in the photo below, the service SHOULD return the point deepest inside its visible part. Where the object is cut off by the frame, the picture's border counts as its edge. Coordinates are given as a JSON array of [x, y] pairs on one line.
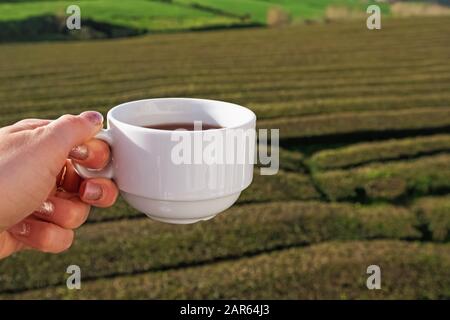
[[40, 131], [66, 123], [60, 132], [70, 119], [22, 122]]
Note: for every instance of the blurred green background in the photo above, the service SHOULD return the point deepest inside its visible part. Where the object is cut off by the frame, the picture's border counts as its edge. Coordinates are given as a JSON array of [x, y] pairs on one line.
[[364, 119]]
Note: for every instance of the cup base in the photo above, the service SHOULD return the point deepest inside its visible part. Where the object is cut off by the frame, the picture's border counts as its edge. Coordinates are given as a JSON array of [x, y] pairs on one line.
[[179, 221], [180, 212]]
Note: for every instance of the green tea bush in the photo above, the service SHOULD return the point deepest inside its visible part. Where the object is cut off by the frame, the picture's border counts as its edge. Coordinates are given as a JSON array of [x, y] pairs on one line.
[[434, 213], [362, 153], [387, 181]]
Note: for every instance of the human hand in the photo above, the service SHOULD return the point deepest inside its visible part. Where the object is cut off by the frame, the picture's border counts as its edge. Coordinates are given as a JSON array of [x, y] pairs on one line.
[[43, 198]]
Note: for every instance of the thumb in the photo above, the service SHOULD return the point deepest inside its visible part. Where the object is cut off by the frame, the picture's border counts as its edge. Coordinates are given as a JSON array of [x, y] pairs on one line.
[[69, 131]]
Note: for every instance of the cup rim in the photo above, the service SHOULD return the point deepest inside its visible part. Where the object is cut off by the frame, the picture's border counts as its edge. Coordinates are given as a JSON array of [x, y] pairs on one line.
[[111, 116]]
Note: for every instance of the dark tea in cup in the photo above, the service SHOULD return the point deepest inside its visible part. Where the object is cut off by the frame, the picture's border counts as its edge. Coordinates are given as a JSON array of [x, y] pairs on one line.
[[189, 126]]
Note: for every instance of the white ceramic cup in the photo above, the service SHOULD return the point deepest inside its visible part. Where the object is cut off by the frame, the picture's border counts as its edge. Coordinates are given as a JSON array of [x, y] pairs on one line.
[[142, 158]]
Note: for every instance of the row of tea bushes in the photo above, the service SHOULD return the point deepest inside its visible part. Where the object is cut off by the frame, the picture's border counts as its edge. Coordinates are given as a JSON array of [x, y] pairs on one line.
[[332, 270], [388, 180], [140, 245], [362, 153]]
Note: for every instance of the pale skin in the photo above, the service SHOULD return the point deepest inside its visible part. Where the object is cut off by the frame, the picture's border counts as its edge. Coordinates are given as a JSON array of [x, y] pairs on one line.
[[43, 199]]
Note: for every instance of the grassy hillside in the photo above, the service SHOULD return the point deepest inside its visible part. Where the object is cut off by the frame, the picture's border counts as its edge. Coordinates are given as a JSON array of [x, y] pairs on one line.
[[46, 20], [364, 119], [257, 10], [21, 20], [160, 14], [141, 14]]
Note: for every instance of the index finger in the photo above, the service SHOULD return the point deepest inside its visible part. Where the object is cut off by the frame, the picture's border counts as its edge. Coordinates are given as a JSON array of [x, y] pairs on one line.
[[93, 154]]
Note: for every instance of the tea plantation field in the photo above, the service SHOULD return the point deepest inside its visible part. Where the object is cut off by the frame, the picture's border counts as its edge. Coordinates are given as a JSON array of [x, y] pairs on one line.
[[364, 119]]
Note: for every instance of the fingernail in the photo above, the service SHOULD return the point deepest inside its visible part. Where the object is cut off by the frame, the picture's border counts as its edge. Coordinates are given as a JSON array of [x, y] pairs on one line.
[[79, 152], [92, 191], [47, 208], [21, 229], [94, 117]]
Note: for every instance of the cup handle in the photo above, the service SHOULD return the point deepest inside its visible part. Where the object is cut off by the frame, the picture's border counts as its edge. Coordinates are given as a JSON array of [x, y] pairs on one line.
[[106, 172]]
